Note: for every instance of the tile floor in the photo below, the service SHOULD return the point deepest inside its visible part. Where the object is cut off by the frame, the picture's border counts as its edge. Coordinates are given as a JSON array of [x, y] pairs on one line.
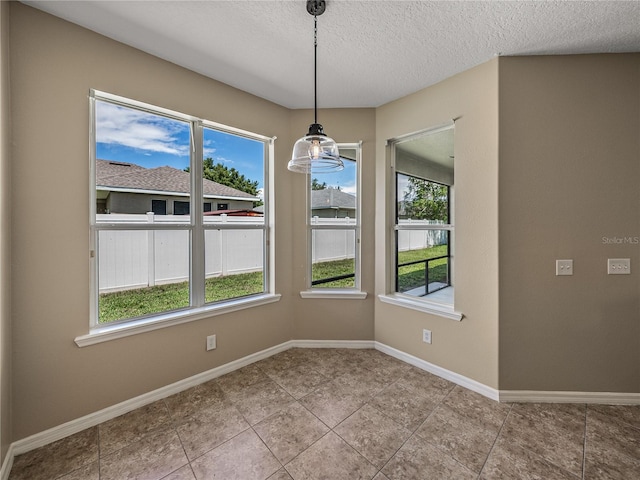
[[311, 414]]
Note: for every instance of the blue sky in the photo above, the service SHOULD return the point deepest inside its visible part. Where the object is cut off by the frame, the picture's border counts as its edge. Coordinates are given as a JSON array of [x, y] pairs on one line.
[[345, 179], [129, 135]]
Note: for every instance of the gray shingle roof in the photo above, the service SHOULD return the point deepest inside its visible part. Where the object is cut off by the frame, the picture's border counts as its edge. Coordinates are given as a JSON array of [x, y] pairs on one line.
[[332, 198], [165, 179]]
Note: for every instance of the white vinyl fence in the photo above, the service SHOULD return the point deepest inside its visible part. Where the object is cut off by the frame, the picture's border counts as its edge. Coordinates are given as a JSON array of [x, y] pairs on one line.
[[139, 258], [418, 239], [331, 245]]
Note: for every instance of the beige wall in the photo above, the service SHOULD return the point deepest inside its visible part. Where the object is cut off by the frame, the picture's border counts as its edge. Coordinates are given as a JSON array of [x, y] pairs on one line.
[[335, 319], [569, 176], [469, 347], [568, 170], [54, 64], [5, 236]]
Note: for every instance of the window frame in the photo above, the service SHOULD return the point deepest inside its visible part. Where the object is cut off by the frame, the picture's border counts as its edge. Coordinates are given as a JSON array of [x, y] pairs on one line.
[[158, 202], [195, 225], [354, 292], [447, 227], [392, 296], [181, 204]]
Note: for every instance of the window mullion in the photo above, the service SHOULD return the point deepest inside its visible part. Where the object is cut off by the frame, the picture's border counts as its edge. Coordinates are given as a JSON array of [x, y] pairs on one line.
[[93, 234], [425, 226], [197, 254]]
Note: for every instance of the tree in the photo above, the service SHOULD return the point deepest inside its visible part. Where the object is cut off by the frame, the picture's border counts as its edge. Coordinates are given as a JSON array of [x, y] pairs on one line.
[[426, 200], [316, 185], [224, 175]]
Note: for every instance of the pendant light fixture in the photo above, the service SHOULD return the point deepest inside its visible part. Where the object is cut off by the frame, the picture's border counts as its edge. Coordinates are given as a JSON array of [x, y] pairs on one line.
[[315, 152]]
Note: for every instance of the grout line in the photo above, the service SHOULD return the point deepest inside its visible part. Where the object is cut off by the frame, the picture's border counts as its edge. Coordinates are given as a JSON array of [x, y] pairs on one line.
[[539, 455], [584, 444], [175, 430], [99, 450], [394, 379], [267, 446], [504, 422], [438, 447], [312, 444]]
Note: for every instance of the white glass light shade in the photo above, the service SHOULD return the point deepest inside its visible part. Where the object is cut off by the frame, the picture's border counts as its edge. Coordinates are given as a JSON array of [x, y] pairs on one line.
[[315, 154]]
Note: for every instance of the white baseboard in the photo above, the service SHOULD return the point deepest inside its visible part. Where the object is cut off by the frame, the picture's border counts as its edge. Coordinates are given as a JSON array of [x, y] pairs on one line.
[[74, 426], [533, 396], [7, 463], [456, 378], [333, 343], [521, 396]]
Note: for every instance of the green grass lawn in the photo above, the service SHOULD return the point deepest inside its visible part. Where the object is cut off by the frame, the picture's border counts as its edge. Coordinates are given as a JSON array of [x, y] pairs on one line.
[[163, 298], [412, 276], [333, 269]]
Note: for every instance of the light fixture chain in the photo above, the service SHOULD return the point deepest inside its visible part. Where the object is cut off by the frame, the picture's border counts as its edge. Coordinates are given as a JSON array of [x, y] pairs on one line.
[[315, 152], [315, 69]]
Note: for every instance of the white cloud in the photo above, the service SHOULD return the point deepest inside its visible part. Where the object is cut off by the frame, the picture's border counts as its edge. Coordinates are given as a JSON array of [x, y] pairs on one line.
[[208, 148], [128, 127], [224, 160], [350, 189]]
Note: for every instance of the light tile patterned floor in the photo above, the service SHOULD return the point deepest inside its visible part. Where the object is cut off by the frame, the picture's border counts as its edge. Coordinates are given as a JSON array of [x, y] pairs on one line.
[[312, 414]]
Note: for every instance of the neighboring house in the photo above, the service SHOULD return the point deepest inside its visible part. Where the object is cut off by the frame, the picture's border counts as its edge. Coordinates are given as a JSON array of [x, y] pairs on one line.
[[256, 212], [129, 188], [332, 203]]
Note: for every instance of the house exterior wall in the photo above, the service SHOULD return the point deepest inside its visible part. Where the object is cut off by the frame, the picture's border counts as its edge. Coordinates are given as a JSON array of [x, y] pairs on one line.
[[569, 187], [469, 347], [137, 203], [333, 212]]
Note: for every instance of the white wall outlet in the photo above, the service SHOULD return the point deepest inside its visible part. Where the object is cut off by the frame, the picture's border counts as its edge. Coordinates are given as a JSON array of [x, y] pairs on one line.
[[426, 336], [564, 267], [211, 342], [619, 266]]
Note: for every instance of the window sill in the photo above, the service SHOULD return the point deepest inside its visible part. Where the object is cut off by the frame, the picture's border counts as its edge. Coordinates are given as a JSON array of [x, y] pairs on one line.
[[337, 294], [425, 306], [105, 333]]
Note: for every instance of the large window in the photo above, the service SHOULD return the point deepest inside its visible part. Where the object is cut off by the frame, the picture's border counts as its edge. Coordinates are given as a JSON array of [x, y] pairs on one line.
[[424, 186], [158, 249], [422, 236], [334, 226]]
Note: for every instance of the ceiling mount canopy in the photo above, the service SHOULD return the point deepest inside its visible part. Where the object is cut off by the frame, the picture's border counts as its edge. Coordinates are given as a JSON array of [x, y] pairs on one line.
[[315, 152], [316, 7]]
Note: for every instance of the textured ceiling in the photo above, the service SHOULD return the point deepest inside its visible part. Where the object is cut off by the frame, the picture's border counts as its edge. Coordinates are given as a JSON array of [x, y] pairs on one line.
[[369, 52]]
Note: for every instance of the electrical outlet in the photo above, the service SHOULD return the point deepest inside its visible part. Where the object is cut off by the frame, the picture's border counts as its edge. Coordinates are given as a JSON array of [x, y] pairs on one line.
[[619, 266], [564, 267], [211, 342], [426, 336]]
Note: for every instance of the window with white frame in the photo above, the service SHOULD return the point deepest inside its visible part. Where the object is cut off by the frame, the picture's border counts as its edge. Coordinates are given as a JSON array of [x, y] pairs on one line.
[[158, 249], [334, 226], [424, 186]]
